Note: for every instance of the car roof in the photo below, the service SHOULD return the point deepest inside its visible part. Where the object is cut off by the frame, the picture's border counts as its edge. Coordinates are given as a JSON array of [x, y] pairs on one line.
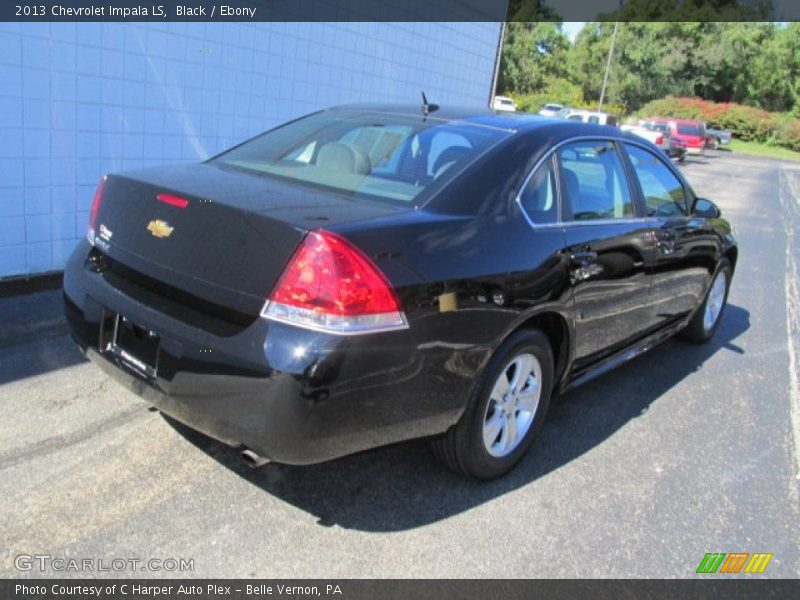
[[669, 120], [512, 122]]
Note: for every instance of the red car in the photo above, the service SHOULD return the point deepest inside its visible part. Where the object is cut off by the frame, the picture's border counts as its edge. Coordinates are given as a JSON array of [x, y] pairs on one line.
[[692, 133]]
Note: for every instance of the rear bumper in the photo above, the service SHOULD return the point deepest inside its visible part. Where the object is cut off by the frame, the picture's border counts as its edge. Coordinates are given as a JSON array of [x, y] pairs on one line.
[[695, 151], [292, 395]]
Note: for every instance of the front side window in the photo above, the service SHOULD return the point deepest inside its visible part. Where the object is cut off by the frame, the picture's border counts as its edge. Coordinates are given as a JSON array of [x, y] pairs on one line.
[[538, 199], [593, 182], [380, 156], [663, 192]]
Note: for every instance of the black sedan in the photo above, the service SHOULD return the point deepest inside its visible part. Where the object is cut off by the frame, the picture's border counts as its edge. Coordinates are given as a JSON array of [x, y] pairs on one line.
[[371, 274]]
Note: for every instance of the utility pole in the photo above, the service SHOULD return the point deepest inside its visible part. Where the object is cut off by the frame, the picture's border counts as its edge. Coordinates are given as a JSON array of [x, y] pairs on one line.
[[610, 54], [497, 58]]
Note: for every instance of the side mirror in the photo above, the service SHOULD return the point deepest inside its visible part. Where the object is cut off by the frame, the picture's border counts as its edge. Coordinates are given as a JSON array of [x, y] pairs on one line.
[[706, 208]]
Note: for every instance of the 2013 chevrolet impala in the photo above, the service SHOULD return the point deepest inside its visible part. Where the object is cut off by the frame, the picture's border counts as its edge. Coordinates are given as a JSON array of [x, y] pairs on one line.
[[370, 274]]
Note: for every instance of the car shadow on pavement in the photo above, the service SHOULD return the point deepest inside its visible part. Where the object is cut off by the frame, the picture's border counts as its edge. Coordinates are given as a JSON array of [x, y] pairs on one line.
[[402, 486]]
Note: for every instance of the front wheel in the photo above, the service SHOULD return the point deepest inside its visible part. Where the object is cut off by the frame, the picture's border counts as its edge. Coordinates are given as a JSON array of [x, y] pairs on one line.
[[705, 321], [506, 409]]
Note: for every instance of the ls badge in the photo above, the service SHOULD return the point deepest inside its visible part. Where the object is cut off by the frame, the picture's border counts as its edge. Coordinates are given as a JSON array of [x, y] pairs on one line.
[[160, 229]]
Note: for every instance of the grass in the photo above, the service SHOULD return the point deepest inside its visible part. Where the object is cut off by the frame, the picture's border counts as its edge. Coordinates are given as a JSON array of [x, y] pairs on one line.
[[759, 149]]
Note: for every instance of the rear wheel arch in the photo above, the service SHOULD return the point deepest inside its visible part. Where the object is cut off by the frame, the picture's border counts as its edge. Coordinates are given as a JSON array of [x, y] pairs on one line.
[[556, 327]]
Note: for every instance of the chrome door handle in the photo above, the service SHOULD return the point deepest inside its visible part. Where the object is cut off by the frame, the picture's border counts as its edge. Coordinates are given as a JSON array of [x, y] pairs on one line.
[[583, 257], [666, 246]]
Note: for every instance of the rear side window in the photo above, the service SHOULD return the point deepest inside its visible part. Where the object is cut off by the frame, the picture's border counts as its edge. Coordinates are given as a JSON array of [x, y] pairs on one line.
[[593, 182], [685, 129], [538, 199], [663, 192]]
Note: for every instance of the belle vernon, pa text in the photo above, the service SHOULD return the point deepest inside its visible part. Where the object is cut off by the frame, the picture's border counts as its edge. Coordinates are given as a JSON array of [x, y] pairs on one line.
[[156, 10], [134, 589]]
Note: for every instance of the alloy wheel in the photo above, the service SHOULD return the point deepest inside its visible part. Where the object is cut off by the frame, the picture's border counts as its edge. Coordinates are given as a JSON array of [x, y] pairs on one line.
[[512, 405], [715, 301]]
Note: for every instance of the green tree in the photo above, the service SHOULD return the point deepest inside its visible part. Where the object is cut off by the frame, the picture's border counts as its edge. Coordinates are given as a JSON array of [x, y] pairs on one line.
[[533, 53], [752, 63]]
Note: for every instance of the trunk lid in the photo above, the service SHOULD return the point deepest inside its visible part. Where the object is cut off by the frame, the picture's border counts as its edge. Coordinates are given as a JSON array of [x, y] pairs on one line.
[[230, 242]]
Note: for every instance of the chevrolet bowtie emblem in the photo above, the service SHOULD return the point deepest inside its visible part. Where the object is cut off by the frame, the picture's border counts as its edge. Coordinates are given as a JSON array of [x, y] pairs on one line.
[[160, 229]]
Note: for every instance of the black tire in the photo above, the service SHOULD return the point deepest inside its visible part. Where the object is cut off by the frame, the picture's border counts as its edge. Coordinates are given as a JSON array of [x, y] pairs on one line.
[[696, 331], [462, 447]]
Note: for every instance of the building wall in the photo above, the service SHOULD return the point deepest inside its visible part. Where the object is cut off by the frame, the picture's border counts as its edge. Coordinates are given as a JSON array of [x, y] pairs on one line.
[[79, 100]]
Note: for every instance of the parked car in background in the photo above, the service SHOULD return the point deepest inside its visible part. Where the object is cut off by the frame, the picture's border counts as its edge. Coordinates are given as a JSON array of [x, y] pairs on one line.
[[587, 116], [717, 137], [550, 110], [504, 103], [370, 274], [654, 137], [692, 133], [660, 135]]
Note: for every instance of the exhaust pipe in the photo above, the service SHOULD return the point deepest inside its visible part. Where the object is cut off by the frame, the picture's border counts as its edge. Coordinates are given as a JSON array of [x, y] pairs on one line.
[[253, 460]]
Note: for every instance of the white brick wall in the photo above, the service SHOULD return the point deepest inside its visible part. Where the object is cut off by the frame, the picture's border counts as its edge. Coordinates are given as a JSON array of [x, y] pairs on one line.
[[78, 100]]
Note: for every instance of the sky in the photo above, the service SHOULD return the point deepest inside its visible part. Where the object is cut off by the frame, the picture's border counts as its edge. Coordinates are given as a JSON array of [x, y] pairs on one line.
[[572, 28]]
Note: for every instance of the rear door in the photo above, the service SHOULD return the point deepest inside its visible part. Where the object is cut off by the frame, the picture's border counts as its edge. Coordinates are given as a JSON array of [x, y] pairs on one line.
[[605, 238], [684, 247]]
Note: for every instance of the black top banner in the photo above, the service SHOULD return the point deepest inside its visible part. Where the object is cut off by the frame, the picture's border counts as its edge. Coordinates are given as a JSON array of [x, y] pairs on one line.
[[401, 10]]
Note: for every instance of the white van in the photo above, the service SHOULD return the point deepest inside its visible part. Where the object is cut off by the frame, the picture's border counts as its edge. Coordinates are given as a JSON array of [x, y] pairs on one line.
[[504, 103], [589, 116]]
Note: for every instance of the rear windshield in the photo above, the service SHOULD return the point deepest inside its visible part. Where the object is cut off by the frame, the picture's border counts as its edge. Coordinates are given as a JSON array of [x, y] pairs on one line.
[[688, 129], [380, 156]]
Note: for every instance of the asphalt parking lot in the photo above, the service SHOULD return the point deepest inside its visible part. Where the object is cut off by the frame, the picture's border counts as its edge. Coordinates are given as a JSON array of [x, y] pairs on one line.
[[686, 450]]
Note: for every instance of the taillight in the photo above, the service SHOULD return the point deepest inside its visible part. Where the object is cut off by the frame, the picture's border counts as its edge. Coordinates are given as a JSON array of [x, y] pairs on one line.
[[173, 200], [659, 140], [95, 211], [330, 285]]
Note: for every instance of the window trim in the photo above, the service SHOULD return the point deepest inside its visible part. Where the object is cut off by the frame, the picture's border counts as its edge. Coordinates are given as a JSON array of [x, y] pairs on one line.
[[549, 154], [557, 184]]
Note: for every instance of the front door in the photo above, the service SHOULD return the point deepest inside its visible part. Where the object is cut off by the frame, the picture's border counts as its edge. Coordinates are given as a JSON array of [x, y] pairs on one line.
[[684, 249]]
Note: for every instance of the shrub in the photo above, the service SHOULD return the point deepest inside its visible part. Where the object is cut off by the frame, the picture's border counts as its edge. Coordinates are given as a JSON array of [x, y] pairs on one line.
[[559, 91], [787, 134]]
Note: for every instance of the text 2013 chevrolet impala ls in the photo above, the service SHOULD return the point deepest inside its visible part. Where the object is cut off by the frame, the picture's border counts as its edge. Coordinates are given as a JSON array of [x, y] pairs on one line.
[[370, 274]]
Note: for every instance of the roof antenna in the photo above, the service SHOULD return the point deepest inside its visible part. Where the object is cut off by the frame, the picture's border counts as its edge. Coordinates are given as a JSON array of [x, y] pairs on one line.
[[428, 108]]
